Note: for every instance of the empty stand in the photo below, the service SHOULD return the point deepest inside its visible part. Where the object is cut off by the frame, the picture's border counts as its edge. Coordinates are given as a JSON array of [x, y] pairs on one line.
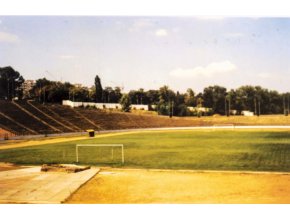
[[24, 117]]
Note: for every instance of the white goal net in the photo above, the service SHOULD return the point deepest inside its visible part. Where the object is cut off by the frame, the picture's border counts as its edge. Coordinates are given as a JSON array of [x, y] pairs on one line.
[[92, 154]]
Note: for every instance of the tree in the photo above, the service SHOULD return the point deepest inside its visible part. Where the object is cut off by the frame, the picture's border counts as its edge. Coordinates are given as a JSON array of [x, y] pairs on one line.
[[166, 94], [10, 83], [117, 94], [166, 99], [125, 103], [108, 93], [133, 96], [214, 97], [231, 100], [53, 92], [92, 93], [80, 94], [40, 89], [57, 92], [152, 96], [99, 89], [189, 98]]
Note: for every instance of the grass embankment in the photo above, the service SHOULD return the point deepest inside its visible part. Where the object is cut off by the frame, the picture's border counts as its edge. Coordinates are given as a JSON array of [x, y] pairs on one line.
[[184, 149]]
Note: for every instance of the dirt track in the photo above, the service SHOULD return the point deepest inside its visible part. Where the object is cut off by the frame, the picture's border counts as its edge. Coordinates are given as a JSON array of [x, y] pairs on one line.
[[34, 142], [149, 186]]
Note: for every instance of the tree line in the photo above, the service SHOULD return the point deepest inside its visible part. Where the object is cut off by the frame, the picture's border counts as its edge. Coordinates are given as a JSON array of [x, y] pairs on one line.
[[217, 99]]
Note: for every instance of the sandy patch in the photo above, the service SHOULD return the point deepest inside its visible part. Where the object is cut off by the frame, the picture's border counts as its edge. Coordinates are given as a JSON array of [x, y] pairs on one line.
[[9, 166], [171, 186]]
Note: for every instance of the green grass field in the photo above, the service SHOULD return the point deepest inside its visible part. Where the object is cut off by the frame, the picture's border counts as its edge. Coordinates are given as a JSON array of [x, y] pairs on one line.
[[183, 149]]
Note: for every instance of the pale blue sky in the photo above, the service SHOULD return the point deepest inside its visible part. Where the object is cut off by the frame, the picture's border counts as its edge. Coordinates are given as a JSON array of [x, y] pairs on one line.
[[148, 52]]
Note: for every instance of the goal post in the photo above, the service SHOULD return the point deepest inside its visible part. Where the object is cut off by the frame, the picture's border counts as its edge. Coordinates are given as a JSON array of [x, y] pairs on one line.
[[101, 145]]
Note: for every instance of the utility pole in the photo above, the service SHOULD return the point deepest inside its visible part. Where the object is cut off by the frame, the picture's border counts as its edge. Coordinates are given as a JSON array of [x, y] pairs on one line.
[[287, 104], [39, 96], [225, 106], [172, 108], [259, 107], [284, 104], [229, 105], [255, 102], [43, 95]]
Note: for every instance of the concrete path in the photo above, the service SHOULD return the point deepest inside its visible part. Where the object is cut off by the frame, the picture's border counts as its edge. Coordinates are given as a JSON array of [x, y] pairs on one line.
[[30, 185]]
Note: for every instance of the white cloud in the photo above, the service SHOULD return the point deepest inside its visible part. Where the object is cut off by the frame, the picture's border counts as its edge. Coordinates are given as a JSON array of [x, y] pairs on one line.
[[0, 21], [66, 57], [214, 69], [8, 37], [161, 32]]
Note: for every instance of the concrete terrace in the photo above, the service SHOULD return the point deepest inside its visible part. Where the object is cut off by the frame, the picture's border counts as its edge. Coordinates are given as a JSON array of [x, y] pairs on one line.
[[30, 185]]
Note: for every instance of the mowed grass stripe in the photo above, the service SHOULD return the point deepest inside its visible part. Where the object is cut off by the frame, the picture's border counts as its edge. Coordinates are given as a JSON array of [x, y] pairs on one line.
[[256, 150]]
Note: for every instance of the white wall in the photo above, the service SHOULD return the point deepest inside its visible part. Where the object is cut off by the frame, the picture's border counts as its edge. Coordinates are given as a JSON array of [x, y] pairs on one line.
[[103, 105], [248, 113]]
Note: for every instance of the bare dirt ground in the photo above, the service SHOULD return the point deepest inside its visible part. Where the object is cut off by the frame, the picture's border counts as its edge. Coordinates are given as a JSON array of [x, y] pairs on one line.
[[173, 186], [9, 166], [34, 142]]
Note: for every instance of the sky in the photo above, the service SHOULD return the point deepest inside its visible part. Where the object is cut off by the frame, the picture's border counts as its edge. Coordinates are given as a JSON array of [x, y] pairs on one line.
[[149, 52]]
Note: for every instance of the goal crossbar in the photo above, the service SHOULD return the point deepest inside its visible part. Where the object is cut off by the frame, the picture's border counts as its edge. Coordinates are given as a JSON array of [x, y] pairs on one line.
[[99, 145]]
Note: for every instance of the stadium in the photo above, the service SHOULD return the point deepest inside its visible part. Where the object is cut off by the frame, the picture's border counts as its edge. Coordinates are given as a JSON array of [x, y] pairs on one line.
[[197, 153], [119, 135]]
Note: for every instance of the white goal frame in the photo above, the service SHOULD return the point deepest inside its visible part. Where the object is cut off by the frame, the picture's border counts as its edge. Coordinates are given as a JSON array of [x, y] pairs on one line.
[[100, 145]]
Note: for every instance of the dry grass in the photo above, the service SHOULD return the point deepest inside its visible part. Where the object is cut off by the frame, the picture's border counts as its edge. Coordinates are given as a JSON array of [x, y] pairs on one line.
[[148, 186]]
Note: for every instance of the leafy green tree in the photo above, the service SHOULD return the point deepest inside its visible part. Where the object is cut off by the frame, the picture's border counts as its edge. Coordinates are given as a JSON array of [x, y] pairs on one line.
[[108, 93], [166, 99], [133, 96], [80, 94], [57, 91], [152, 96], [166, 94], [214, 97], [189, 98], [92, 93], [99, 89], [125, 103], [10, 83], [40, 90], [117, 95], [182, 110]]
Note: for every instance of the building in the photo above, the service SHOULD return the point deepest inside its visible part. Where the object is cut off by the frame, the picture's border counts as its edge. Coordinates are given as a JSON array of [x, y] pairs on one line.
[[233, 112], [26, 87], [199, 109], [248, 113]]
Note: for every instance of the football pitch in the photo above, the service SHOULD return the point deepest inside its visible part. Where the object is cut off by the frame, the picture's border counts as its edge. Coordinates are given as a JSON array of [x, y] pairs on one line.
[[243, 150]]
